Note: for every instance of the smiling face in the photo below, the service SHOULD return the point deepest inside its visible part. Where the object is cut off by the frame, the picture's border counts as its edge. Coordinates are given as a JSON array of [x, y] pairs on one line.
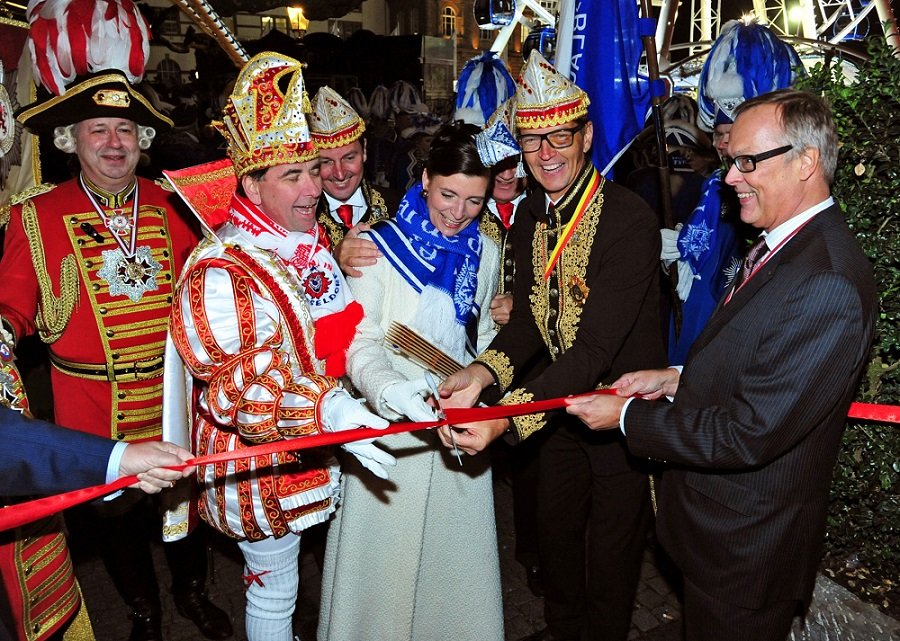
[[454, 201], [287, 194], [505, 187], [780, 187], [108, 151], [342, 169], [557, 169]]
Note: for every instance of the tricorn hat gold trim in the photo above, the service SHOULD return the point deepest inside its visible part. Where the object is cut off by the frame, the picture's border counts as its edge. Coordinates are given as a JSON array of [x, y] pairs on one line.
[[105, 94]]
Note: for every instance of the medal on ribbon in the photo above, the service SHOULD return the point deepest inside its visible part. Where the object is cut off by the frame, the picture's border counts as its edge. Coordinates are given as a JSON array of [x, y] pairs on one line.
[[132, 276]]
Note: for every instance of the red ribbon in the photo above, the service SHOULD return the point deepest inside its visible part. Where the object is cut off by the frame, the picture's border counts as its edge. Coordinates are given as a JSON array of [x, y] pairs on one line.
[[23, 513]]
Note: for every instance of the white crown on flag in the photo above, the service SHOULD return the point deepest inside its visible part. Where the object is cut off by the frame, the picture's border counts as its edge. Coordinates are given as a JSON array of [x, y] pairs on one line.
[[545, 98]]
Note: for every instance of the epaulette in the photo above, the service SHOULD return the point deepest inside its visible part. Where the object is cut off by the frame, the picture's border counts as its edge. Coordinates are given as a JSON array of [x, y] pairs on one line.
[[21, 197], [31, 192], [164, 184]]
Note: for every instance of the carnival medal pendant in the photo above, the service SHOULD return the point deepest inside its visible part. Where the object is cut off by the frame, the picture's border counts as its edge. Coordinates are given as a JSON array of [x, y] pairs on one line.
[[131, 276], [119, 223]]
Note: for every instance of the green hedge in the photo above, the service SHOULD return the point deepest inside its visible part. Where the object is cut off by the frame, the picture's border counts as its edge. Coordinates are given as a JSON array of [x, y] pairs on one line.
[[863, 537]]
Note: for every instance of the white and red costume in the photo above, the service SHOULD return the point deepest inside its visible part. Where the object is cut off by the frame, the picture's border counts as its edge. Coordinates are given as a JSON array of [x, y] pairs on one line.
[[244, 323]]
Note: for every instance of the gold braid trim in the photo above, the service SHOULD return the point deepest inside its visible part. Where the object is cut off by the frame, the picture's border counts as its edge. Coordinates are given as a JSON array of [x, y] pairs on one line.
[[489, 226], [528, 424], [54, 311], [377, 207], [575, 259], [498, 363], [21, 197]]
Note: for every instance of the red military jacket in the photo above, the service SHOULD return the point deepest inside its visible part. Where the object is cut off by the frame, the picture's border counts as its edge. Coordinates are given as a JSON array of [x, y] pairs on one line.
[[58, 268]]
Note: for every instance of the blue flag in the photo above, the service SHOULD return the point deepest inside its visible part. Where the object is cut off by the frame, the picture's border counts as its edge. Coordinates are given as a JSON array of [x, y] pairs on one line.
[[606, 52]]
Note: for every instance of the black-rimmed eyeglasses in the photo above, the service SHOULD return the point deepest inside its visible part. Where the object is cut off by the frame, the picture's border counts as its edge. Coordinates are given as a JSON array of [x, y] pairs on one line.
[[559, 139], [746, 163]]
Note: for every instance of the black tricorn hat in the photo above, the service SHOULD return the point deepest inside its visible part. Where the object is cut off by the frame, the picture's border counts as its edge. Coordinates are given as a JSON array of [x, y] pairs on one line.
[[103, 94]]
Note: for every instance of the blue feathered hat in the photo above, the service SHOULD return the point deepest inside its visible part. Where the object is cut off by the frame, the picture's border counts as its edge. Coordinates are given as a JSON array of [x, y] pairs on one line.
[[484, 84], [745, 61]]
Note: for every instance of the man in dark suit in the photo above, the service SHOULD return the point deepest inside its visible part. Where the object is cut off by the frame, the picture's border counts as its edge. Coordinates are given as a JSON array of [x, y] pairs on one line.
[[42, 458], [758, 412], [586, 295]]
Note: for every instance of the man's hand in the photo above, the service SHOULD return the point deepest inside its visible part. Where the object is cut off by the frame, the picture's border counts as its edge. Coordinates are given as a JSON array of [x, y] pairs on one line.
[[501, 308], [149, 459], [371, 457], [472, 438], [354, 252], [649, 384], [598, 412], [340, 412], [462, 388]]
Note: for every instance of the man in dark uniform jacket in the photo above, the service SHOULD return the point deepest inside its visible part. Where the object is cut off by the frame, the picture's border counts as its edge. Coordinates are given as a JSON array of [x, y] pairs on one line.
[[349, 202], [759, 409], [586, 291]]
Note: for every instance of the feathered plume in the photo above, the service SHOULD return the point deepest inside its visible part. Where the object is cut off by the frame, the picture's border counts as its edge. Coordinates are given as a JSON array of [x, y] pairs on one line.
[[484, 84], [69, 38], [745, 61]]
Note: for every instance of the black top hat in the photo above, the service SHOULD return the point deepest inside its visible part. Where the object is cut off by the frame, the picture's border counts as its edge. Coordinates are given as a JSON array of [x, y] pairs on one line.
[[103, 94]]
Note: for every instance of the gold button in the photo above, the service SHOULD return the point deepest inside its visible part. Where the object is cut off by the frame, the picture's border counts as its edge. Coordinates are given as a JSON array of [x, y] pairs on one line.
[[121, 417], [28, 570], [553, 312], [508, 278], [162, 232], [554, 291], [115, 356], [555, 349], [81, 242], [95, 287], [166, 253], [552, 332], [88, 263], [120, 436], [121, 395], [102, 310], [508, 262], [168, 276], [36, 627], [110, 333], [168, 299], [73, 220]]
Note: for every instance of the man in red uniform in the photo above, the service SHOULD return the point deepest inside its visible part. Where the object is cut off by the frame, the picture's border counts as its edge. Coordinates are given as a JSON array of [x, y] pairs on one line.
[[90, 265]]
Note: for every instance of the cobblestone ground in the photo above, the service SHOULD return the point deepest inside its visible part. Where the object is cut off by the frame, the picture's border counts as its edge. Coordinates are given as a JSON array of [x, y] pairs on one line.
[[655, 612], [836, 614]]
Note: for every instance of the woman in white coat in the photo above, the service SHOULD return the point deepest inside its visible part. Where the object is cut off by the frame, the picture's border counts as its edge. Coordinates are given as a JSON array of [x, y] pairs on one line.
[[415, 557]]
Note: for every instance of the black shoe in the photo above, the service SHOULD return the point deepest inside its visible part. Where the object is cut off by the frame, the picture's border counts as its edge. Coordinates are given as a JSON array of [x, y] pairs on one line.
[[535, 583], [212, 621], [146, 621]]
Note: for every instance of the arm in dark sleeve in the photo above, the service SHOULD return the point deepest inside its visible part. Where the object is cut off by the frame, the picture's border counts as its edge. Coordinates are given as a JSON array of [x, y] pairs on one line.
[[41, 458]]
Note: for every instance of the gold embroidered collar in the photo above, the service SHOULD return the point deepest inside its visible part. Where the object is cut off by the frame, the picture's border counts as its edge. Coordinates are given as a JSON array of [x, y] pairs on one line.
[[109, 199]]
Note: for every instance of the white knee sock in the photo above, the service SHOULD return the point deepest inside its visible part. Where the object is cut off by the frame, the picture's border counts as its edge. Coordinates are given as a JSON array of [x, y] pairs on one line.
[[272, 579]]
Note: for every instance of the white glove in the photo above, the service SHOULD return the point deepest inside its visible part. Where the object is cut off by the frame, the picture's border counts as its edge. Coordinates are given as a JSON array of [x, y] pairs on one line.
[[670, 251], [408, 398], [340, 412], [686, 279], [371, 457]]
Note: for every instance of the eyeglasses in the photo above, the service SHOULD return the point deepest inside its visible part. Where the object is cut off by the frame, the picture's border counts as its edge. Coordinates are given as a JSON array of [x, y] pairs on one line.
[[746, 163], [559, 139]]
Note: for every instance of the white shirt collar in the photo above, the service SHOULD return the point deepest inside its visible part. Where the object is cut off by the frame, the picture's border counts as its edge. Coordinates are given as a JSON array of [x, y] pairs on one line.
[[356, 200], [492, 206], [775, 237]]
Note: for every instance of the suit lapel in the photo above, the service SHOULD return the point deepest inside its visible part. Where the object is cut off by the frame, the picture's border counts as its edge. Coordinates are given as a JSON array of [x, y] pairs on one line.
[[725, 312]]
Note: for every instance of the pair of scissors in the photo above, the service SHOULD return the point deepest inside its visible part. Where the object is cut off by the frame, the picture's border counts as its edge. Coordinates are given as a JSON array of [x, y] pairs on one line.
[[432, 386]]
